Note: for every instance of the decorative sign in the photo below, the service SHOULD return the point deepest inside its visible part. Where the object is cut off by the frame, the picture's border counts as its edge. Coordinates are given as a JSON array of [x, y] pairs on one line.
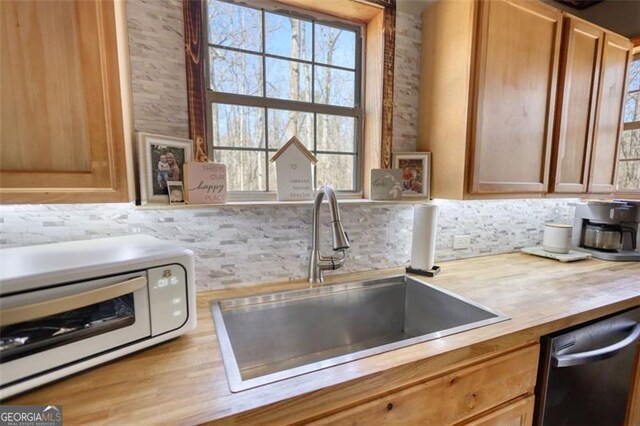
[[293, 171], [205, 183], [386, 184]]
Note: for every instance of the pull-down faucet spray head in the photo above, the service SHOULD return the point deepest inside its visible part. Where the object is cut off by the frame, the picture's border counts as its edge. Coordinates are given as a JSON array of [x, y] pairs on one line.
[[340, 238]]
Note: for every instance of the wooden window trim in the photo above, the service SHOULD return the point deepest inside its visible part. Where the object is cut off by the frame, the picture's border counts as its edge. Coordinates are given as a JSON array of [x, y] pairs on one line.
[[379, 17], [194, 47]]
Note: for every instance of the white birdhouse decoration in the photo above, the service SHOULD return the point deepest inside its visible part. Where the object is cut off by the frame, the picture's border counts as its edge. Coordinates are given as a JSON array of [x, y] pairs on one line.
[[293, 171]]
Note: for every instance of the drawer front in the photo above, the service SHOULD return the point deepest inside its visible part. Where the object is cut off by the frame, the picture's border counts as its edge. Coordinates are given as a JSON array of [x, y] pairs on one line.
[[519, 413], [451, 398]]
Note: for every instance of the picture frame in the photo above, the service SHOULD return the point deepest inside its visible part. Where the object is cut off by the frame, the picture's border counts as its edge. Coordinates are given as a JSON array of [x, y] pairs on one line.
[[161, 159], [416, 173], [176, 192]]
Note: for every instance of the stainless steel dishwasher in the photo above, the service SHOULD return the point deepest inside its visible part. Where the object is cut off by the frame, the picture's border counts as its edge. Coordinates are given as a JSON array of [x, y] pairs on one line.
[[586, 373]]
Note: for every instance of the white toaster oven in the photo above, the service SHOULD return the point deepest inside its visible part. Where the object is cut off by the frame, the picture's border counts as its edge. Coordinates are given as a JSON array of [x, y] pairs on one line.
[[70, 306]]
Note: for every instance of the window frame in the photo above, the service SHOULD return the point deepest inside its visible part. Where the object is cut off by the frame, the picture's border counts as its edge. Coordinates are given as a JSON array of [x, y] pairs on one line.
[[378, 16], [357, 111], [632, 125]]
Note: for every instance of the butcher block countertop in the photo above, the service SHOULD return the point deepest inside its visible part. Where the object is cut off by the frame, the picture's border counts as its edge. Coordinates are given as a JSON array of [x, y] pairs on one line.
[[183, 381]]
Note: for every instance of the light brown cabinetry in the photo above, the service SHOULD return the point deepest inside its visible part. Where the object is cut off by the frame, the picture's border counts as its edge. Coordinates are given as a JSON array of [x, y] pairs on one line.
[[588, 123], [62, 137], [518, 413], [506, 109], [486, 393], [616, 56], [580, 72], [488, 122], [517, 62]]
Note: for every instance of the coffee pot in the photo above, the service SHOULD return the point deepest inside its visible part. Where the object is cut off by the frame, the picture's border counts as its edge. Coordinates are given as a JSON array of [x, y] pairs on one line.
[[608, 237], [607, 229]]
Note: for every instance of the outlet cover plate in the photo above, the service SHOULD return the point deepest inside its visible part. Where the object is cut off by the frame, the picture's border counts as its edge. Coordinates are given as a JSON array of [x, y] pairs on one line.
[[461, 242]]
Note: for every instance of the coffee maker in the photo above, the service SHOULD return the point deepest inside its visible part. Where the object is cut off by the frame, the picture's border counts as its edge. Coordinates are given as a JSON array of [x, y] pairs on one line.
[[609, 230]]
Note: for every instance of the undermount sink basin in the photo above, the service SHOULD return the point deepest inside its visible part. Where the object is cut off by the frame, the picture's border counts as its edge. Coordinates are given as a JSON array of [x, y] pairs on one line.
[[272, 337]]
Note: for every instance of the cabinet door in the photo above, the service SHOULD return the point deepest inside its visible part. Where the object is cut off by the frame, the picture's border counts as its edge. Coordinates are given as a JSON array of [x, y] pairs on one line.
[[516, 73], [62, 132], [515, 414], [616, 56], [582, 47], [451, 398]]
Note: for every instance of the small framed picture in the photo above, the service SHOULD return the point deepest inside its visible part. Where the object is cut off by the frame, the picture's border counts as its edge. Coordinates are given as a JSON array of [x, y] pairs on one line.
[[161, 159], [416, 172], [176, 192]]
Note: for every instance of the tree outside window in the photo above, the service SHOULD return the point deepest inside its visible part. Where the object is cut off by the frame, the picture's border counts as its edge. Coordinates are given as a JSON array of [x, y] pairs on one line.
[[629, 165], [274, 74]]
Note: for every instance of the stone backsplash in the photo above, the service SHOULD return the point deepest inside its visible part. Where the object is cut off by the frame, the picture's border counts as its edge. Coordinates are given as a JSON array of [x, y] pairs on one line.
[[264, 243], [406, 81], [158, 75]]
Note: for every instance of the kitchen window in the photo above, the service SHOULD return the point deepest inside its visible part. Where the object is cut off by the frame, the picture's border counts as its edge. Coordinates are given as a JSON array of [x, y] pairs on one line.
[[629, 163], [272, 74]]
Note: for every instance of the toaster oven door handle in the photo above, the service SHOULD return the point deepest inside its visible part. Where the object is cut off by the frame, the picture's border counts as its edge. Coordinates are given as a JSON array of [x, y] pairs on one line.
[[68, 303]]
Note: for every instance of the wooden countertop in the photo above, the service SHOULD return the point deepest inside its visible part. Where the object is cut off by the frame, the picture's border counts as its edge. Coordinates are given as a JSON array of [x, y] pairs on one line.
[[183, 381]]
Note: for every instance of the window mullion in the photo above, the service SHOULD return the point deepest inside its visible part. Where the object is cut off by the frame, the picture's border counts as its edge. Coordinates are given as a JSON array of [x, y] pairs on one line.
[[315, 149], [264, 94], [313, 101], [260, 101], [233, 49], [285, 58], [239, 148], [632, 125]]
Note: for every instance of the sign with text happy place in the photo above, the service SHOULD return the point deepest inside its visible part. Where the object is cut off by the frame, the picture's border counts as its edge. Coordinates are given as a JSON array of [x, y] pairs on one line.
[[205, 183]]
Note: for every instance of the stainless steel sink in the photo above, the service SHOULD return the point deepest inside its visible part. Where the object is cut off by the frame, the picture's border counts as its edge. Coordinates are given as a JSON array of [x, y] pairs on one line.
[[268, 338]]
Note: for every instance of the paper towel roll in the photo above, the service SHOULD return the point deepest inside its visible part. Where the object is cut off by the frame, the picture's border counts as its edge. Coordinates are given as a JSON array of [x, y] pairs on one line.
[[423, 243]]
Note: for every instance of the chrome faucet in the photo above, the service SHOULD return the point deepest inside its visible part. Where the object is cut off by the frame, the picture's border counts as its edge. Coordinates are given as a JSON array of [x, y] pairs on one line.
[[317, 262]]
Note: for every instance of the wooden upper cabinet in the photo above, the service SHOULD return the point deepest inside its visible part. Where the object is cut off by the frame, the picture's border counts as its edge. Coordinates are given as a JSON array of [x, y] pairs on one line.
[[517, 99], [487, 96], [517, 65], [577, 95], [62, 137], [589, 119], [616, 56]]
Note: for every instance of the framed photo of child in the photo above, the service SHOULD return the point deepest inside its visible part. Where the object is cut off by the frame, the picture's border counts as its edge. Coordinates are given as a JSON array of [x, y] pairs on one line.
[[161, 160], [416, 173]]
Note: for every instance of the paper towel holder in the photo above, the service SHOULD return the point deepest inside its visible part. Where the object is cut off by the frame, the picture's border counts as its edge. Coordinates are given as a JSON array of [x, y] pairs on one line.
[[430, 273]]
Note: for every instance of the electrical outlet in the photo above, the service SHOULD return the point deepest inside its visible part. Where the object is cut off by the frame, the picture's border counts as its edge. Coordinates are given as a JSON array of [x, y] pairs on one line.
[[461, 242]]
